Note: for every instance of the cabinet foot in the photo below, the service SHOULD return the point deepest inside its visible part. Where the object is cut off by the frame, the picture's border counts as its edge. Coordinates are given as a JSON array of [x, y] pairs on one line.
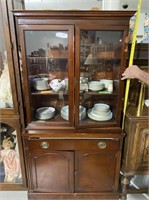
[[124, 186]]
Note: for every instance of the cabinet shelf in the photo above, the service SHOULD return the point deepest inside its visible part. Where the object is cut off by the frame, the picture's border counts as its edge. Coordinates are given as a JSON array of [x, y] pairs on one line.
[[51, 92], [48, 92], [101, 93], [58, 118], [34, 58]]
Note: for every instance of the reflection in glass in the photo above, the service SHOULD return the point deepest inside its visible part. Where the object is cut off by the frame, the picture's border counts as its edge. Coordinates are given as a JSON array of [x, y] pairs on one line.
[[10, 169]]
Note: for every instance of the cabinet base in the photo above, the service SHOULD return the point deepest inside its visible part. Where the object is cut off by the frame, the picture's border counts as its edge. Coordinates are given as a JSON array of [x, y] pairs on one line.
[[73, 196]]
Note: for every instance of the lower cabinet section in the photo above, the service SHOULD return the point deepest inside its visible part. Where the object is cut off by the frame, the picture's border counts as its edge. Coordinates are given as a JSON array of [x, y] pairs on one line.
[[73, 168]]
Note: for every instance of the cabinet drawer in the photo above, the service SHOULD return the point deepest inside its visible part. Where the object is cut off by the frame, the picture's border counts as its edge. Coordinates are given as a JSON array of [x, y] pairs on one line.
[[106, 145]]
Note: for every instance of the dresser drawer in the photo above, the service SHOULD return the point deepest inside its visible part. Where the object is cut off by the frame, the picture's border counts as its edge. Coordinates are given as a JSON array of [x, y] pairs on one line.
[[104, 144]]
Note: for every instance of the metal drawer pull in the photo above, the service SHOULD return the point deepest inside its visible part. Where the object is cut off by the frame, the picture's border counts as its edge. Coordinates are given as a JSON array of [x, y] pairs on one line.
[[44, 145], [101, 145]]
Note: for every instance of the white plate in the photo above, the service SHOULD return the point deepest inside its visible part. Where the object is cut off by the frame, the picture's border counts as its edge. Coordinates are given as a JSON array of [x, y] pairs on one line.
[[101, 113], [98, 118]]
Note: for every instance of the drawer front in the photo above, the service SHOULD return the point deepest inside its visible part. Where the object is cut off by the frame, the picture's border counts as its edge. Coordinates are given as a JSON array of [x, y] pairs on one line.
[[104, 145]]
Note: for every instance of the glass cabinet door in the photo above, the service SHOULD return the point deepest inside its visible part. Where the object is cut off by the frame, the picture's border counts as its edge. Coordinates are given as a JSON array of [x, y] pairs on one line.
[[99, 73], [5, 86], [10, 165], [48, 73]]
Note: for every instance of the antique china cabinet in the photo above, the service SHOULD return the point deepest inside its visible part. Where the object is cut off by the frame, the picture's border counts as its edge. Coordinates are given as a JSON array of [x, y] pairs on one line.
[[12, 173], [72, 92]]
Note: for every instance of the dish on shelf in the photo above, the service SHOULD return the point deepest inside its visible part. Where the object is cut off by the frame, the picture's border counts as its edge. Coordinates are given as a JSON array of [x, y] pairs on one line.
[[101, 107], [57, 84], [65, 112], [95, 85], [45, 113], [40, 83], [96, 117], [108, 84], [100, 112]]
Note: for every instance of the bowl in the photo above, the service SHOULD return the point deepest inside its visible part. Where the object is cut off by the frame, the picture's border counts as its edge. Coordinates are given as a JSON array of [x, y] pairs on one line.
[[45, 113], [65, 112], [101, 107], [95, 85], [40, 83]]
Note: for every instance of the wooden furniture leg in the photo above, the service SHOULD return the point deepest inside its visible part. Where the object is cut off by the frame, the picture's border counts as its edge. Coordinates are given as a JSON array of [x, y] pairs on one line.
[[124, 186]]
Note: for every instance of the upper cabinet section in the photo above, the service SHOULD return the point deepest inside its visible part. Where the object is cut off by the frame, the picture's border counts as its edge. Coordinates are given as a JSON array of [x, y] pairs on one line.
[[71, 67]]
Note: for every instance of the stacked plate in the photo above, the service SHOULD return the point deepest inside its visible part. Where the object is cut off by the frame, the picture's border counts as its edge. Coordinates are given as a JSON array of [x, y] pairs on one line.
[[40, 83], [95, 85], [100, 112], [45, 113], [65, 112]]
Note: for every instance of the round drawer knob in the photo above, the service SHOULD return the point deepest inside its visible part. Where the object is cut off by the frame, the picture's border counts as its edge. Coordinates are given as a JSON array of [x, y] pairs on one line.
[[101, 145], [44, 145]]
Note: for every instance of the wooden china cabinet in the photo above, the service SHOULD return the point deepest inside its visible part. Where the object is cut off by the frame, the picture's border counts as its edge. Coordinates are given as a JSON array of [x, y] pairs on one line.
[[71, 78]]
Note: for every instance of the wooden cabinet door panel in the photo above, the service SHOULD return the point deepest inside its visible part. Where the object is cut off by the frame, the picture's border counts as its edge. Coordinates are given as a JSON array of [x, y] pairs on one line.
[[144, 151], [52, 171], [146, 148], [136, 147], [95, 171]]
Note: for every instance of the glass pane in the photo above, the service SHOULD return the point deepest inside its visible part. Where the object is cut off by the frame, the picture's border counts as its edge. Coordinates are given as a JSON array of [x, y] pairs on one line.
[[10, 169], [99, 75], [5, 87], [47, 61]]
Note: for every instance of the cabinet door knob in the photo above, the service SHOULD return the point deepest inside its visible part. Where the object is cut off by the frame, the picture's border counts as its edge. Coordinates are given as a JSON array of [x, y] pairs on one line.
[[44, 145], [101, 145]]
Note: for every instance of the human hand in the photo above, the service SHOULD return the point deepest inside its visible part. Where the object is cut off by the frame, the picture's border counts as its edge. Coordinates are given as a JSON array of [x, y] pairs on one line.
[[131, 72]]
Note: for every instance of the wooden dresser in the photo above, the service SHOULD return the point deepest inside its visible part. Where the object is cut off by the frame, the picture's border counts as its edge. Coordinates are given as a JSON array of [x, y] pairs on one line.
[[136, 147]]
